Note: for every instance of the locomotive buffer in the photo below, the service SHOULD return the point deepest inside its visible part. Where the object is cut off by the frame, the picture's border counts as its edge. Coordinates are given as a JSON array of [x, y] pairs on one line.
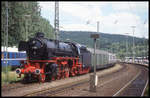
[[94, 78]]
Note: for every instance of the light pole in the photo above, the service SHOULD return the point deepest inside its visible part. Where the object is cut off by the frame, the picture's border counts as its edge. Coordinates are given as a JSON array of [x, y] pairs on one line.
[[93, 78], [126, 44], [56, 21], [133, 41], [147, 49]]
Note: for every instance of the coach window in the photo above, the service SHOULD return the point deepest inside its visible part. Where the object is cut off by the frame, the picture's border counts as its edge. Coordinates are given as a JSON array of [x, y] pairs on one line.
[[13, 55], [20, 55], [2, 55], [8, 55], [17, 55]]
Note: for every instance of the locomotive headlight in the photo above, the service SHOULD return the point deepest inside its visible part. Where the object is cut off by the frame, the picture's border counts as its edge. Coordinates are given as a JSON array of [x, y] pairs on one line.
[[18, 71], [37, 71], [34, 53], [33, 42], [34, 47]]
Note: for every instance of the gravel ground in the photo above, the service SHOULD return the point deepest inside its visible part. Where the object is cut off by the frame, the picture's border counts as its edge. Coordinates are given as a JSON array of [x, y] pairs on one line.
[[137, 86]]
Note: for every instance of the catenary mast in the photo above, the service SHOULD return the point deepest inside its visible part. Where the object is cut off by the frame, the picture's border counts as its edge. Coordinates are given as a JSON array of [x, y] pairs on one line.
[[56, 21]]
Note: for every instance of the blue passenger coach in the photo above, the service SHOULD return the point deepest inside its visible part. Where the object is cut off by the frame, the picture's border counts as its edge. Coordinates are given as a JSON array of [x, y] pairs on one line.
[[13, 56]]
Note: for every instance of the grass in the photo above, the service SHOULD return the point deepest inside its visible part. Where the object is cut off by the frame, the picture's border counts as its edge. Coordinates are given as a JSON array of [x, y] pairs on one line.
[[9, 76], [6, 70], [147, 91]]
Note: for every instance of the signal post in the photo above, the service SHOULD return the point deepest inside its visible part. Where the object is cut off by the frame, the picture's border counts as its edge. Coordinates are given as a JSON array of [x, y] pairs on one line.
[[94, 77]]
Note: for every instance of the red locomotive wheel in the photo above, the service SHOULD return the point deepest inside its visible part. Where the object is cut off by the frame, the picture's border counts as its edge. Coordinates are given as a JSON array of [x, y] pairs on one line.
[[88, 70], [42, 78], [67, 74], [58, 77], [63, 75], [53, 78]]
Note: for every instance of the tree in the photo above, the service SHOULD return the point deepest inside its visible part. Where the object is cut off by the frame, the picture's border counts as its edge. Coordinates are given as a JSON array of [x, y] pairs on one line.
[[24, 18]]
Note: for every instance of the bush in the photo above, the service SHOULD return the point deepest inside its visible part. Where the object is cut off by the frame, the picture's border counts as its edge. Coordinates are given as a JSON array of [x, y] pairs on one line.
[[9, 77], [9, 68], [147, 91]]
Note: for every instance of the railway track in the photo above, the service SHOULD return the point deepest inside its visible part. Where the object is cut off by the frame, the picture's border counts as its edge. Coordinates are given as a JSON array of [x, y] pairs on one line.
[[60, 89], [135, 87], [17, 85]]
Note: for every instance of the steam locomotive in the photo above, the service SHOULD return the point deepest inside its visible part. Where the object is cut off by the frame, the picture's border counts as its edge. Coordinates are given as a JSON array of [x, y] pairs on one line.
[[50, 59], [40, 48]]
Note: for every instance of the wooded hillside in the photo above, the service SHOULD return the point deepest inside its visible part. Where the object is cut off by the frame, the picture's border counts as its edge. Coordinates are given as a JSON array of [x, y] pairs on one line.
[[109, 42], [23, 17]]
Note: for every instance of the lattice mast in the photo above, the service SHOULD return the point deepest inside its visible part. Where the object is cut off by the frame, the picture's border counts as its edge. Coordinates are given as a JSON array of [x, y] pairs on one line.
[[56, 21]]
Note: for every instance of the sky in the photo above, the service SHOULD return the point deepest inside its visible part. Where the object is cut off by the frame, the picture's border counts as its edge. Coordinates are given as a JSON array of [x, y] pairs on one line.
[[114, 17]]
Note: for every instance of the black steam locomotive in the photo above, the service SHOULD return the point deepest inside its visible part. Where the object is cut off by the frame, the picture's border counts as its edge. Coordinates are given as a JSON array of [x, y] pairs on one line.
[[40, 48]]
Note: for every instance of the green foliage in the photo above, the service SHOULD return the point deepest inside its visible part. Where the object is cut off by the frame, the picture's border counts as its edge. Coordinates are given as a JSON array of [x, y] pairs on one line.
[[147, 91], [6, 69], [23, 18], [9, 77]]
